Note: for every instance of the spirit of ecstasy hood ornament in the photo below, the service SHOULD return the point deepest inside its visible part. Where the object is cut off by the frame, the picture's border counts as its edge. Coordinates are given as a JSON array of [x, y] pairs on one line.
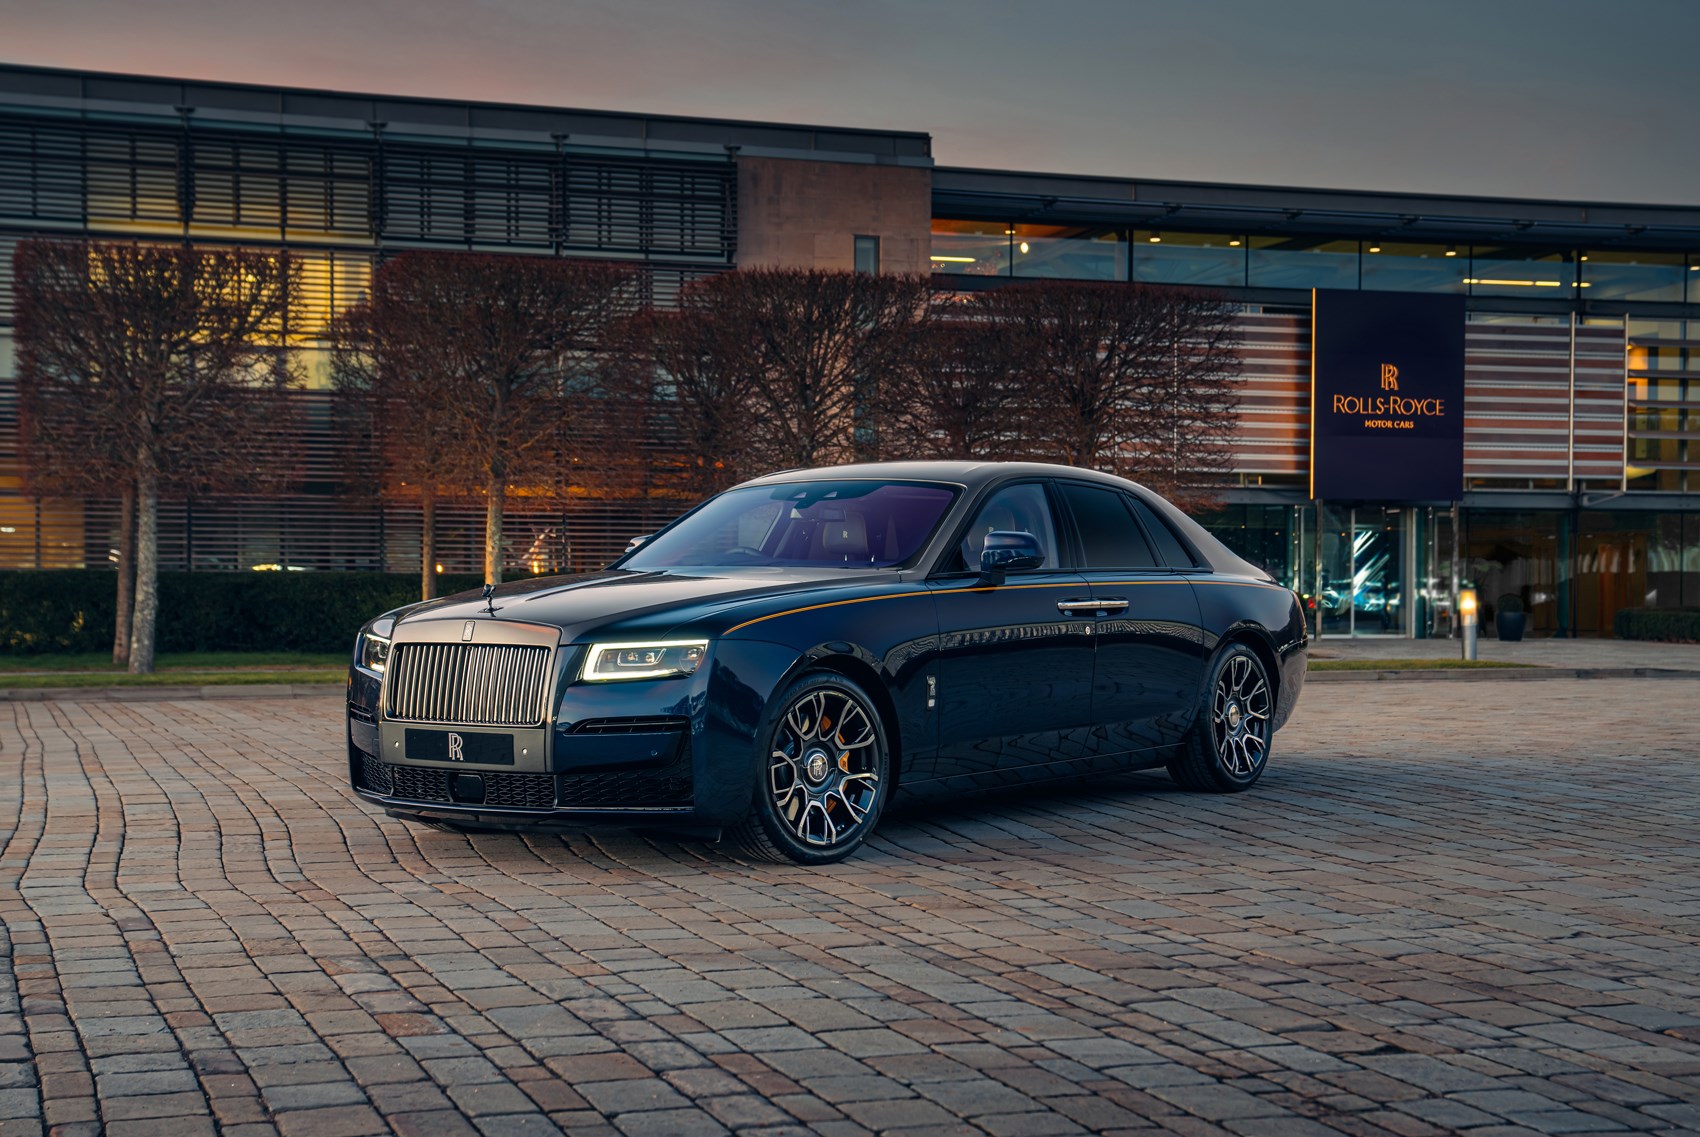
[[489, 602]]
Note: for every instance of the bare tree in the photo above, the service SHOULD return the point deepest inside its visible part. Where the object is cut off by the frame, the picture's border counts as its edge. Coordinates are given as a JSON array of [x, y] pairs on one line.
[[392, 415], [695, 376], [957, 393], [478, 355], [1138, 380], [814, 345], [159, 367]]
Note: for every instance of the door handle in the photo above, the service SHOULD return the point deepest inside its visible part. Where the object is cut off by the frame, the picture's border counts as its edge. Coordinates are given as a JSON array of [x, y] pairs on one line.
[[1076, 607], [1110, 605]]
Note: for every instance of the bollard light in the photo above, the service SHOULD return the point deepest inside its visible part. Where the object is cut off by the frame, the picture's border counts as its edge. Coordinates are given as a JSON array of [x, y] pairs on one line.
[[1467, 619]]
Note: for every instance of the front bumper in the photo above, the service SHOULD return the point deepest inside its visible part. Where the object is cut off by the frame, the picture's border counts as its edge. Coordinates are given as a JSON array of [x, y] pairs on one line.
[[642, 770], [666, 752]]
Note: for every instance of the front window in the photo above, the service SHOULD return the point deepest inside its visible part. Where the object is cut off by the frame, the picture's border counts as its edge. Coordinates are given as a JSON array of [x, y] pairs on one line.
[[826, 524]]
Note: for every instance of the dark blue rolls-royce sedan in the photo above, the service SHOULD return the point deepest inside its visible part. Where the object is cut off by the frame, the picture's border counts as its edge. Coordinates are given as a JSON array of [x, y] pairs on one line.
[[780, 660]]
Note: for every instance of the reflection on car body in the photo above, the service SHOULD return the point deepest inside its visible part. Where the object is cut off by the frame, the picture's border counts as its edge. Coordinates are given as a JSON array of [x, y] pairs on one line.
[[778, 661]]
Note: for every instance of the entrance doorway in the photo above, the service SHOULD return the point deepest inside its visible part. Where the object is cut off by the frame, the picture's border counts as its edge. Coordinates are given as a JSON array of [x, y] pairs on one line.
[[1364, 583]]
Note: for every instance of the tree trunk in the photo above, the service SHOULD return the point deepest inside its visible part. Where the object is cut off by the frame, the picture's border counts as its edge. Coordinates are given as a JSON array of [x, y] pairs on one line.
[[147, 565], [498, 492], [427, 543], [126, 576]]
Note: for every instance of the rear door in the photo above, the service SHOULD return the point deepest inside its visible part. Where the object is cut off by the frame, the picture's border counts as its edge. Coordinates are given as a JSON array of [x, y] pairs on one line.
[[1149, 659]]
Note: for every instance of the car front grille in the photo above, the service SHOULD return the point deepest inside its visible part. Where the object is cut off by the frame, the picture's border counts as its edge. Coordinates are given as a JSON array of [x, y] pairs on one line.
[[419, 783], [659, 724], [475, 684], [427, 783], [374, 775], [520, 791], [659, 789]]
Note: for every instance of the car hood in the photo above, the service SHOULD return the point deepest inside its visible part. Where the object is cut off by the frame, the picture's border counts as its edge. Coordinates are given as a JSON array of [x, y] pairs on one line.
[[648, 602]]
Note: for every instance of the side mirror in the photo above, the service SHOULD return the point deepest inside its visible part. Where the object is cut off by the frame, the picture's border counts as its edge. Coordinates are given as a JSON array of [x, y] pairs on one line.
[[636, 541], [1007, 551]]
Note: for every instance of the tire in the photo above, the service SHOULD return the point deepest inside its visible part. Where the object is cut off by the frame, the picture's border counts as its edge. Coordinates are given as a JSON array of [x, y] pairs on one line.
[[1227, 747], [824, 774]]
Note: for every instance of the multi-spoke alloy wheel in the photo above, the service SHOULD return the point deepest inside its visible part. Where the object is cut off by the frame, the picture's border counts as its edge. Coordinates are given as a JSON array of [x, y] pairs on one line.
[[1239, 716], [1228, 745], [824, 775]]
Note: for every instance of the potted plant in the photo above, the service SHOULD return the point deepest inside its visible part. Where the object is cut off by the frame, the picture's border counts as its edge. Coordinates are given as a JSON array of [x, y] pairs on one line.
[[1509, 617]]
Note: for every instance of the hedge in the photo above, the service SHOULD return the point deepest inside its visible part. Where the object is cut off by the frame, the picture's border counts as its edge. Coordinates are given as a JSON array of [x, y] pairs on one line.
[[71, 610], [1678, 625]]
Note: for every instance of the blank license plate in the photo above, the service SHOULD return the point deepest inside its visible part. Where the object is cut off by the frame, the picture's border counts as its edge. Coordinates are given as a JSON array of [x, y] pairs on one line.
[[456, 746]]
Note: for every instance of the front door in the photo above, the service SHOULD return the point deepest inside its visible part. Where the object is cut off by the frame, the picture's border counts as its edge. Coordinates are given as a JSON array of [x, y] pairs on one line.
[[1014, 668]]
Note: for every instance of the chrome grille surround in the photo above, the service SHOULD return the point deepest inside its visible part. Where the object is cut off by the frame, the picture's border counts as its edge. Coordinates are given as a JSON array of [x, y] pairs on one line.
[[468, 683]]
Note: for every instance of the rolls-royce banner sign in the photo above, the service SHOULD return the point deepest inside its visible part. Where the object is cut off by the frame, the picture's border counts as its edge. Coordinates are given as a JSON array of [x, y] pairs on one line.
[[1387, 396]]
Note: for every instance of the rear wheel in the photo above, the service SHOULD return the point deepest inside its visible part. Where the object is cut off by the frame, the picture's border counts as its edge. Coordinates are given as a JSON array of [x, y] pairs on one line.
[[1227, 747], [825, 774]]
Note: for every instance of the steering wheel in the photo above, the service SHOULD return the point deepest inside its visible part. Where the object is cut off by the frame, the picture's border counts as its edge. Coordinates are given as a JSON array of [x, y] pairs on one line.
[[743, 551]]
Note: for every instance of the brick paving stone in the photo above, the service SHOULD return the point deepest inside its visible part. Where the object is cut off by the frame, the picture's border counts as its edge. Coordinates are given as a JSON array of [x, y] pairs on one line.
[[1446, 908]]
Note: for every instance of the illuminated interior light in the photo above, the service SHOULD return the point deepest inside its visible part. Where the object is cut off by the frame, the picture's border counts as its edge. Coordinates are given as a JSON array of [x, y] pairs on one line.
[[1234, 241], [952, 260], [1451, 252], [1375, 248], [1584, 256], [1515, 283], [1155, 238], [1024, 246]]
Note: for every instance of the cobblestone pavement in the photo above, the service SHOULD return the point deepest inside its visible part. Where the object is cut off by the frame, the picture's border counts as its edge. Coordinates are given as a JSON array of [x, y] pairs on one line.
[[1449, 907]]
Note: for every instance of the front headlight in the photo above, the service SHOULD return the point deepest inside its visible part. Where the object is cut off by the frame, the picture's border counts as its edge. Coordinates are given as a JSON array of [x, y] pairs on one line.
[[375, 645], [654, 660]]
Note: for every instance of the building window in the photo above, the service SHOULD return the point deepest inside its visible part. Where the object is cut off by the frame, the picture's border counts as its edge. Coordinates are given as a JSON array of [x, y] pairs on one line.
[[1069, 252], [868, 255], [1189, 258], [1401, 266], [1614, 275], [971, 248], [1303, 262]]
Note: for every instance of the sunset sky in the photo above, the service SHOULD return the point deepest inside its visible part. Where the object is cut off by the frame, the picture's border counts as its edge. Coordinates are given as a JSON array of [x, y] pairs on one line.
[[1539, 98]]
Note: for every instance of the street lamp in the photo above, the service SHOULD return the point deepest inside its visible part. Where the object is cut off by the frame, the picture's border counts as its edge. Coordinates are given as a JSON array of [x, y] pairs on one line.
[[1467, 615]]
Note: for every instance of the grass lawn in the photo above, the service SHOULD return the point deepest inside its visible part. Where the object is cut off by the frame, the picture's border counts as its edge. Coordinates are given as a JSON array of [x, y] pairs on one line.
[[188, 669], [1409, 664]]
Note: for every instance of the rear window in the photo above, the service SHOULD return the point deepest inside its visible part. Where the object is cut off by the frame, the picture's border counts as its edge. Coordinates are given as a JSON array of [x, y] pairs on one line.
[[1109, 536], [1169, 546]]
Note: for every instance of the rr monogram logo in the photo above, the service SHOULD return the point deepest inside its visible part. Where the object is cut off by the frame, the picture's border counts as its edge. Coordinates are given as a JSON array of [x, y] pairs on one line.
[[457, 747], [1389, 377]]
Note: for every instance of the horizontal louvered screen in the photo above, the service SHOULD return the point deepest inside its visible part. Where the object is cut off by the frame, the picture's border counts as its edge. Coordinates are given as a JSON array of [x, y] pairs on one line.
[[471, 684], [141, 179], [1274, 413], [1517, 402]]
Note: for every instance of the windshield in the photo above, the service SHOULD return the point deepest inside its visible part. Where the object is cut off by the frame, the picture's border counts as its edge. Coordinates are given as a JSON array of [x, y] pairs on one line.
[[803, 524]]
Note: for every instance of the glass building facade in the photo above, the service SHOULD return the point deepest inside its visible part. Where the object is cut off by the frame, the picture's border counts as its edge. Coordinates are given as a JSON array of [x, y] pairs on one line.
[[1582, 405]]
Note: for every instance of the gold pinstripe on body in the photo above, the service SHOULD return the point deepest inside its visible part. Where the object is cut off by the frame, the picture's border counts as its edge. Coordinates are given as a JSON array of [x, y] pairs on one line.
[[987, 588]]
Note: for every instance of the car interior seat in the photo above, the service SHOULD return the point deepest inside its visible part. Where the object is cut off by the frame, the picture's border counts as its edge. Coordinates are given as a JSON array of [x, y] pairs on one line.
[[845, 539]]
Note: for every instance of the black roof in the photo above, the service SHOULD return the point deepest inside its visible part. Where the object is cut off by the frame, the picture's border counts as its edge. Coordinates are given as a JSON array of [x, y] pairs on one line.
[[975, 476], [1155, 204], [255, 102]]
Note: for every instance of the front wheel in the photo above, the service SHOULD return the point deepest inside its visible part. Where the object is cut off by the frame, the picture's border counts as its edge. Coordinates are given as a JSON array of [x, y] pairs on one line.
[[1227, 747], [824, 774]]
